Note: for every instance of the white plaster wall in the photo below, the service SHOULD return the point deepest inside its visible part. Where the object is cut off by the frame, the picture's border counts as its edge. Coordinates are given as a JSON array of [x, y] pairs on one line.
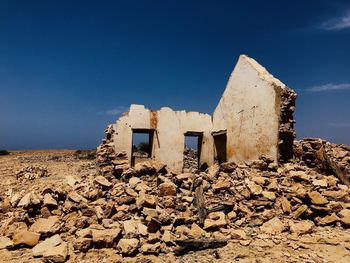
[[249, 111], [170, 127]]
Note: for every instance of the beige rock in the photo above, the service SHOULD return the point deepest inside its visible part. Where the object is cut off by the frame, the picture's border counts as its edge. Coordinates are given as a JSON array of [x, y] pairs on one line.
[[302, 227], [26, 237], [82, 244], [25, 200], [238, 234], [167, 189], [298, 212], [57, 254], [273, 226], [47, 244], [71, 180], [327, 220], [77, 198], [151, 248], [168, 237], [46, 225], [253, 187], [102, 181], [128, 246], [317, 199], [232, 215], [286, 207], [105, 237], [196, 231], [146, 200], [222, 185], [269, 195], [321, 183], [5, 242], [215, 220], [15, 199], [49, 200]]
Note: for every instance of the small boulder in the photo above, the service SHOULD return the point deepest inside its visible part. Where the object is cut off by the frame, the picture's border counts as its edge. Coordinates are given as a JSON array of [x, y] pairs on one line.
[[47, 244], [25, 237], [273, 226], [128, 246], [167, 189], [57, 254]]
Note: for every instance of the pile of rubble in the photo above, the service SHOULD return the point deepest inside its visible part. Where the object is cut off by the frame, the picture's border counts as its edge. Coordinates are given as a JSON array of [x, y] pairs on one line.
[[145, 209], [31, 173], [190, 160]]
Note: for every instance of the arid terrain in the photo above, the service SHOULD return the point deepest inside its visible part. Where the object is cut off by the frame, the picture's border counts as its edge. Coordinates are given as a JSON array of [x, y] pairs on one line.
[[257, 229]]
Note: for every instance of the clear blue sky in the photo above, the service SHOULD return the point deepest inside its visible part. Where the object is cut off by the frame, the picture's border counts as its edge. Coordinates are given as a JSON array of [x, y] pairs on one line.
[[68, 68]]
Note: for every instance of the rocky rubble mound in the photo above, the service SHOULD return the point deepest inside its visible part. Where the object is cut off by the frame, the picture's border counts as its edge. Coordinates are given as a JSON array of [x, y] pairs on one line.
[[190, 160], [31, 172], [147, 210]]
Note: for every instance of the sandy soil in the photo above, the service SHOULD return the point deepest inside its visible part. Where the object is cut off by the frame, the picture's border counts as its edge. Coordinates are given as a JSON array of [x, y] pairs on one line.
[[325, 244]]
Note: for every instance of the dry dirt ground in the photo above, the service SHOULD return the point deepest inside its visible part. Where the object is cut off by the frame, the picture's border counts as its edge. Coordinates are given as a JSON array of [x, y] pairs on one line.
[[325, 244]]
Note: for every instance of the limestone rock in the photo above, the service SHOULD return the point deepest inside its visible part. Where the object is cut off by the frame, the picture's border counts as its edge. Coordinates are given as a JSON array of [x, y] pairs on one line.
[[128, 246], [46, 225], [46, 245], [215, 220], [5, 242], [167, 189], [25, 237], [82, 244], [57, 254], [238, 234], [196, 231], [327, 220], [102, 181], [105, 237], [302, 227], [151, 248], [317, 199], [273, 226], [49, 200]]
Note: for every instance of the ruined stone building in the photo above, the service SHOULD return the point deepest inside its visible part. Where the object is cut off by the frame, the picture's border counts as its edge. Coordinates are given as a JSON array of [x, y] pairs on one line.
[[253, 119]]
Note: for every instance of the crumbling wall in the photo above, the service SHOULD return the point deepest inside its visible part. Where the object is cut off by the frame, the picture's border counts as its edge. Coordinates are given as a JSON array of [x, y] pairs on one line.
[[169, 128], [256, 112]]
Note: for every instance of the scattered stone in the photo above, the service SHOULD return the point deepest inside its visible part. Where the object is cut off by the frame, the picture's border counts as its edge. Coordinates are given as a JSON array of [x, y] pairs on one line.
[[57, 254], [302, 227], [273, 226], [215, 220], [102, 181], [46, 225], [167, 189], [317, 199], [40, 249], [128, 246], [5, 242], [25, 237]]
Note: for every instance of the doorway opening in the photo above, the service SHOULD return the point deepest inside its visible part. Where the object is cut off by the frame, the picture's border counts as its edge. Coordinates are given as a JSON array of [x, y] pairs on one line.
[[142, 142], [220, 141], [192, 151]]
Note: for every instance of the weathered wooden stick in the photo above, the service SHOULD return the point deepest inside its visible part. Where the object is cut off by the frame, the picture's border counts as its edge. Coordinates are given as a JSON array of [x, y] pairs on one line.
[[200, 204], [198, 244]]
